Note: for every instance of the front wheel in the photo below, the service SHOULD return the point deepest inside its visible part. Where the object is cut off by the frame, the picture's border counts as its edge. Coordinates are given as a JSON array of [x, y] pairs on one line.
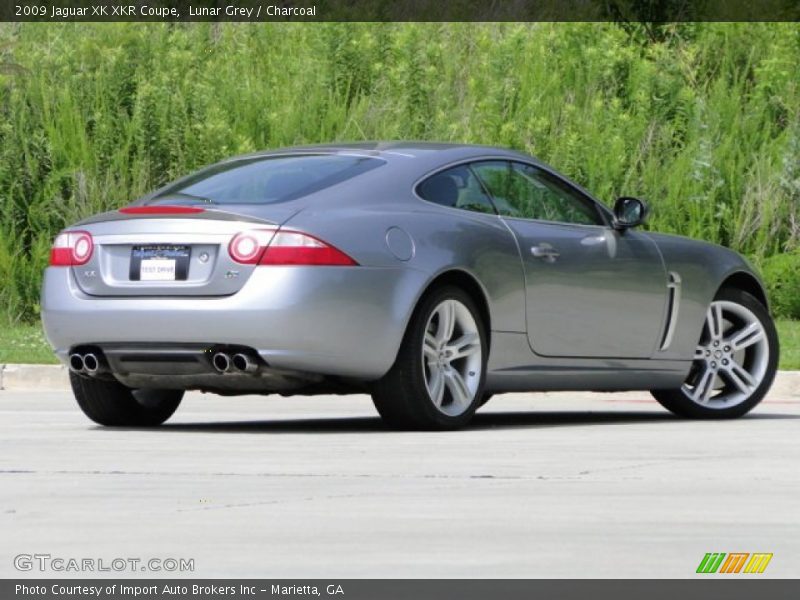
[[734, 363], [437, 379], [112, 404]]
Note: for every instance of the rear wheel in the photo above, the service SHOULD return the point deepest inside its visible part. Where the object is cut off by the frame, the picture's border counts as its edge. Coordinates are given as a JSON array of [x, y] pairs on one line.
[[112, 404], [735, 361], [437, 379]]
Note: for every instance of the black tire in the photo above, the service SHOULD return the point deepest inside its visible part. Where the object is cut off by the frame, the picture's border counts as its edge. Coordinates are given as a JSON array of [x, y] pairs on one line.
[[484, 399], [679, 403], [401, 396], [112, 404]]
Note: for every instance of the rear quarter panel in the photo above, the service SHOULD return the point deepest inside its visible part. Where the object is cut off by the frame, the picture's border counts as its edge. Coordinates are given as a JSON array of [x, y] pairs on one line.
[[441, 239]]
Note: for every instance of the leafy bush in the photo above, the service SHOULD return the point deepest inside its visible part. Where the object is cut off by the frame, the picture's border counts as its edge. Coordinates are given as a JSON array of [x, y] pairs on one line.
[[782, 277], [703, 120]]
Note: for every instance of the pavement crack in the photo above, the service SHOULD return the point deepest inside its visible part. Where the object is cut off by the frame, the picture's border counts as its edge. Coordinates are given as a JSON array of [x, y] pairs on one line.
[[115, 472]]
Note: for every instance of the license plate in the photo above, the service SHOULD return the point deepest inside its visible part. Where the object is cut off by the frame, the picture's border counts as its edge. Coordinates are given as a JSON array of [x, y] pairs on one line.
[[157, 269], [160, 263]]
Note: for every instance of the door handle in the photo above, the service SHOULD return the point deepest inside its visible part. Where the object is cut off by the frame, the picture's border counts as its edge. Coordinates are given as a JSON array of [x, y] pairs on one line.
[[545, 251]]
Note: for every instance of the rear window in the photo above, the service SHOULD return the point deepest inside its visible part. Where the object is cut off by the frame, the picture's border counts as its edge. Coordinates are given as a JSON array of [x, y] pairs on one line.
[[268, 180]]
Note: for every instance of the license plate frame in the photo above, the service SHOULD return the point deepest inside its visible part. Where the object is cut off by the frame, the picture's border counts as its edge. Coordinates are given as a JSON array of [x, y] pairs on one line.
[[179, 254]]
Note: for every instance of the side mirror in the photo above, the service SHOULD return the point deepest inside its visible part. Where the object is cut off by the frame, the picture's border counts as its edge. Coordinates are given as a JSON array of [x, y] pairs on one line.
[[629, 212]]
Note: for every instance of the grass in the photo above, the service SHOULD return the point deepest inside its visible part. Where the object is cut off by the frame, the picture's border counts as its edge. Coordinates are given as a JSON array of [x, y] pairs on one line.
[[789, 335], [26, 344], [704, 123]]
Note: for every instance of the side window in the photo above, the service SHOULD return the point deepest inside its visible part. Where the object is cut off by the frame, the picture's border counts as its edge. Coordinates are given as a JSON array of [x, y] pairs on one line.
[[527, 192], [457, 187]]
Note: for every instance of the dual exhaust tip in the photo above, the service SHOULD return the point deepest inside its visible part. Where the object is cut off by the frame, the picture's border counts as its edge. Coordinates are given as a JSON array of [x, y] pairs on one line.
[[91, 364], [241, 362], [88, 363]]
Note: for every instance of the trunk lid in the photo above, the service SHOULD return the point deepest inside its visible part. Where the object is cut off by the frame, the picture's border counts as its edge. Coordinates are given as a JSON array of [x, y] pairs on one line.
[[155, 251]]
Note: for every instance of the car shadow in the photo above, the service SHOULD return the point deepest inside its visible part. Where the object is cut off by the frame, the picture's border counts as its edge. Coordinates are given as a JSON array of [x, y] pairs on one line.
[[482, 421]]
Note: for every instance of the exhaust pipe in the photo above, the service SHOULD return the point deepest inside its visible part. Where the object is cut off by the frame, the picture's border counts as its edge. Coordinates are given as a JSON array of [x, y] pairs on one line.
[[76, 363], [243, 362], [91, 364], [221, 362]]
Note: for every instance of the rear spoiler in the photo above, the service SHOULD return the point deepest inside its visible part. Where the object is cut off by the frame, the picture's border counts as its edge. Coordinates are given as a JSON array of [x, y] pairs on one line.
[[240, 213]]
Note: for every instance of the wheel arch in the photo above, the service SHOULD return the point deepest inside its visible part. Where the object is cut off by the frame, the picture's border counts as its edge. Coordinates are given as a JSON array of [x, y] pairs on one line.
[[746, 282], [470, 284]]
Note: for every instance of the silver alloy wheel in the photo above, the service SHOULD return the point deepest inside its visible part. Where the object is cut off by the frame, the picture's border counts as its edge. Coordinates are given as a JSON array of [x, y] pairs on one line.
[[732, 358], [451, 357]]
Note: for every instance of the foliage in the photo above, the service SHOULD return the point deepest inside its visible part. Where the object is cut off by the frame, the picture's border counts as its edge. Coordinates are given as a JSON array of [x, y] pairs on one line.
[[700, 119], [782, 274]]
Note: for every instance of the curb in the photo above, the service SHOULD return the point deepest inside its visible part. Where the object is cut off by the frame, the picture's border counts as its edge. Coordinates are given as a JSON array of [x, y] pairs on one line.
[[56, 377], [33, 377], [787, 385]]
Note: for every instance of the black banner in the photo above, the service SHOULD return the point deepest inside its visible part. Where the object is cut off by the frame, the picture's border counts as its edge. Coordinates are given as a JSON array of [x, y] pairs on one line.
[[654, 11], [405, 589]]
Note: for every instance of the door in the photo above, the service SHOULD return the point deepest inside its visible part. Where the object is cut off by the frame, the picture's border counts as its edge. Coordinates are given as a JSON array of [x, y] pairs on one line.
[[591, 291]]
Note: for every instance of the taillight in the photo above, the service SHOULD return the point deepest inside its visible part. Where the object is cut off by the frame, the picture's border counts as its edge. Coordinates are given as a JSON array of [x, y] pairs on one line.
[[71, 249], [247, 247], [266, 247], [293, 248]]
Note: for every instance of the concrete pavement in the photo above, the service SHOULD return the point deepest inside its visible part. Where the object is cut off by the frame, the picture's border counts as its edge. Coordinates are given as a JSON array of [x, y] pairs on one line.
[[544, 485]]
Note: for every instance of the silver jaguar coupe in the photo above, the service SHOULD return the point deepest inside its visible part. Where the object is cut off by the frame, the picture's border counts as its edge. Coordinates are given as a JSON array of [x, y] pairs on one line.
[[430, 276]]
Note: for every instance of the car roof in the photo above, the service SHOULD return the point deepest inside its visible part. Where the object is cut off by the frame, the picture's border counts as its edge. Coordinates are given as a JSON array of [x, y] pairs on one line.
[[430, 153]]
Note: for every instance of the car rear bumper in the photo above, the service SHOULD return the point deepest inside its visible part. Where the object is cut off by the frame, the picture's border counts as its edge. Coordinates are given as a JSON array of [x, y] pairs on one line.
[[341, 321]]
